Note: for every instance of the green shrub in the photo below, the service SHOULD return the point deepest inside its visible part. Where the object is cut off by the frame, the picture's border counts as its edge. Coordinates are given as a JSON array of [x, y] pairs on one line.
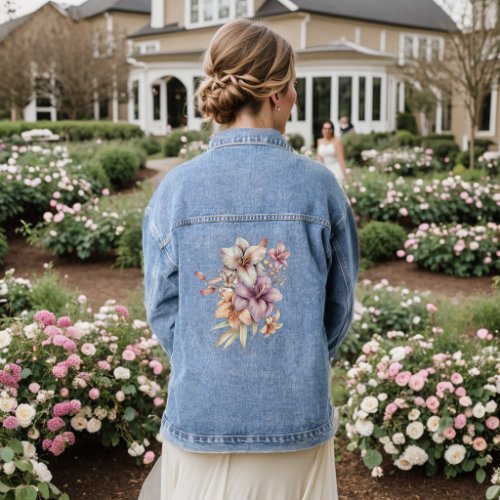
[[296, 141], [49, 293], [4, 247], [486, 312], [405, 138], [129, 249], [380, 241], [75, 130], [150, 145], [443, 147], [94, 172], [176, 139], [120, 163], [406, 121], [354, 144]]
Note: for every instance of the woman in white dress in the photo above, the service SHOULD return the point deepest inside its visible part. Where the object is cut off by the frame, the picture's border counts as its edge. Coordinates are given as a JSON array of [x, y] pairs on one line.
[[331, 152]]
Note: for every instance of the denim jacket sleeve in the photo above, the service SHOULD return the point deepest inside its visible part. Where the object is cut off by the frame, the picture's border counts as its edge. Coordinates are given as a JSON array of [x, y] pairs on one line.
[[341, 282], [161, 285]]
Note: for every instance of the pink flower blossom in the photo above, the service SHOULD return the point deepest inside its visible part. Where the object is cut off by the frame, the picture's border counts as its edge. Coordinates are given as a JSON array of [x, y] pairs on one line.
[[52, 330], [104, 365], [34, 387], [61, 409], [492, 423], [74, 361], [394, 368], [105, 192], [60, 370], [69, 346], [449, 433], [55, 423], [460, 392], [64, 321], [44, 317], [69, 437], [156, 366], [479, 444], [279, 255], [88, 349], [482, 333], [94, 393], [456, 378], [122, 311], [400, 253], [410, 259], [46, 444], [402, 378], [74, 406], [416, 383], [58, 340], [419, 401], [460, 421], [128, 355], [148, 458], [10, 422], [73, 332], [64, 392], [431, 308], [158, 401], [58, 445], [432, 403], [82, 299]]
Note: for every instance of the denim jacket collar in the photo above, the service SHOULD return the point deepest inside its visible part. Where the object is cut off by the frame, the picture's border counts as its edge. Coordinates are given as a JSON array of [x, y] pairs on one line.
[[233, 136]]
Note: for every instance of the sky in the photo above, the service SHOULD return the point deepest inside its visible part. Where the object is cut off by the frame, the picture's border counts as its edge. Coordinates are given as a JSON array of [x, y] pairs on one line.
[[26, 6]]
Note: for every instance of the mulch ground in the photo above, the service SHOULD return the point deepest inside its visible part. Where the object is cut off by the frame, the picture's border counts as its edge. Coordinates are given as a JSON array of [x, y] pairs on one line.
[[92, 471]]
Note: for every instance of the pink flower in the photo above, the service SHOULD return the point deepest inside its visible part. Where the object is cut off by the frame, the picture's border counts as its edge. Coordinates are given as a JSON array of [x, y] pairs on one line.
[[403, 211], [460, 421], [94, 393], [56, 423], [416, 383], [82, 299], [479, 444], [394, 369], [410, 259], [60, 370], [492, 423], [105, 192], [73, 332], [58, 445], [431, 308], [158, 401], [64, 392], [449, 433], [432, 403], [69, 346], [400, 253], [51, 330], [122, 311], [69, 437], [279, 255], [148, 458], [59, 340], [402, 378], [61, 409], [104, 365], [34, 387], [456, 378], [46, 444], [88, 349], [156, 366], [442, 387], [10, 422], [482, 333], [419, 401], [74, 360], [64, 321], [128, 355], [44, 317], [460, 392], [74, 406]]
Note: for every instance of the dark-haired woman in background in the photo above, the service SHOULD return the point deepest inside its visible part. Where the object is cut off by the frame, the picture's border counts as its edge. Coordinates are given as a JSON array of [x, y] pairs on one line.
[[330, 152]]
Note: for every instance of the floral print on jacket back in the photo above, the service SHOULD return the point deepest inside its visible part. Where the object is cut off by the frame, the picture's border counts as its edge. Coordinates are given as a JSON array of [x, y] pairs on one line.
[[248, 290]]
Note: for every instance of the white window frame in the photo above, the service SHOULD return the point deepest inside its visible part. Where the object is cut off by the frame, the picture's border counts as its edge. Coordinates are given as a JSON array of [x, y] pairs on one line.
[[415, 40], [141, 48], [493, 114], [216, 19]]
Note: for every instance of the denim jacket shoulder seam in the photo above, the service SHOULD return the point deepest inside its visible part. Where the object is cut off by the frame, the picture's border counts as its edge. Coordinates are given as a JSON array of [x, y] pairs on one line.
[[285, 147]]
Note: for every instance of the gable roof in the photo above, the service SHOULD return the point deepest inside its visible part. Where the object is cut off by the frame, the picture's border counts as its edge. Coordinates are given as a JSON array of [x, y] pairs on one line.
[[95, 7], [424, 14], [343, 45]]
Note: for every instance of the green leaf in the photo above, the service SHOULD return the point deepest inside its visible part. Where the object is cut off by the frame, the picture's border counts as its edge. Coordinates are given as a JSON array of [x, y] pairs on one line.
[[129, 414], [26, 493], [64, 497], [468, 465], [43, 488], [4, 488], [372, 459], [115, 439], [7, 454], [482, 461], [24, 465], [16, 445], [492, 492], [129, 389], [26, 373], [480, 476]]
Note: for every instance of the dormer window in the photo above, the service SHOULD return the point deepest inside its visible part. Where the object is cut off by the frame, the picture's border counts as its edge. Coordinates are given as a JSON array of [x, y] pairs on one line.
[[210, 12]]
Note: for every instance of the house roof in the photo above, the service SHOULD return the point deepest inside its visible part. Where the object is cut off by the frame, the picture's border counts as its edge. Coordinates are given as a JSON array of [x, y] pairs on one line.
[[424, 14], [148, 30], [95, 7], [346, 46]]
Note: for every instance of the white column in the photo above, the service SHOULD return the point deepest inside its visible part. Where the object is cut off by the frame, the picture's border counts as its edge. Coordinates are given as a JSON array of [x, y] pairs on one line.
[[383, 35], [493, 108], [145, 103], [355, 100], [369, 102], [157, 13], [334, 98], [309, 111], [401, 97], [96, 105], [439, 113]]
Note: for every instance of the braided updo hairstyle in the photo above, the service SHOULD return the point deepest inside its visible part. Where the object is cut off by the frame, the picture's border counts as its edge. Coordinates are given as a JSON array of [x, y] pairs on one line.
[[245, 63]]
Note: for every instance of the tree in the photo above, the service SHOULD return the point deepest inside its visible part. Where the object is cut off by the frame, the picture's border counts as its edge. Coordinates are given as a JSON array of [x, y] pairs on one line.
[[469, 64], [10, 8]]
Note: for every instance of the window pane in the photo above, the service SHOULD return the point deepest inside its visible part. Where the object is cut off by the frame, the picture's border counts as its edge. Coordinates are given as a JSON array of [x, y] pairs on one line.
[[422, 48], [345, 96], [377, 99], [241, 8], [446, 107], [223, 9], [362, 98], [195, 9], [196, 83], [301, 99], [485, 113], [435, 49], [208, 10], [135, 94], [156, 101], [408, 47], [322, 91]]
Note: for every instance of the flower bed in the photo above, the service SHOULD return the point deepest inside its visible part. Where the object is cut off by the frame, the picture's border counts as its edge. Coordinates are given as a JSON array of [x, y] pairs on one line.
[[419, 405], [413, 202], [405, 162], [459, 250], [102, 375]]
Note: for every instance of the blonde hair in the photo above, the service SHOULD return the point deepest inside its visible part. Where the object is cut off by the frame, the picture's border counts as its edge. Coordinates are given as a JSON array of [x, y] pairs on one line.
[[245, 63]]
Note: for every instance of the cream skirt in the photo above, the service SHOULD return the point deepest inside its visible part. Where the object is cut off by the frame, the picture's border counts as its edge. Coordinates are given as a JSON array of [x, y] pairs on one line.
[[299, 475]]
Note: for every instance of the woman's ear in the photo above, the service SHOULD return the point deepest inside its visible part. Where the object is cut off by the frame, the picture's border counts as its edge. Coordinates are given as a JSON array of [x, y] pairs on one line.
[[275, 100]]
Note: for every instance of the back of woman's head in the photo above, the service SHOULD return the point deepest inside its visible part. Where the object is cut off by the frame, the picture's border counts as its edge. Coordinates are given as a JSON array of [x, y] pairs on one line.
[[245, 63]]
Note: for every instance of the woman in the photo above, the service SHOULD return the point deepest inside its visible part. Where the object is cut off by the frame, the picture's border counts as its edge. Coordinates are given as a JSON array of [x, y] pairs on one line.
[[250, 264], [331, 152]]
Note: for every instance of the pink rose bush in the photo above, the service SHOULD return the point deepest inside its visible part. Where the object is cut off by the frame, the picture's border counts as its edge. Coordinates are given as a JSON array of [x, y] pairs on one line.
[[457, 249], [61, 377], [422, 406]]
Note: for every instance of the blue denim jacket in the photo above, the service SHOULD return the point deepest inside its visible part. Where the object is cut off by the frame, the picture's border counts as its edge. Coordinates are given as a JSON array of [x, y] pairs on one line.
[[250, 262]]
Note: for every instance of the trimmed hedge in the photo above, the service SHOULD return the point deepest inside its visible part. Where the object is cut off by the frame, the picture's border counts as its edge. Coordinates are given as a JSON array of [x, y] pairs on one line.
[[176, 139], [4, 247], [121, 164], [406, 121], [75, 130], [379, 241]]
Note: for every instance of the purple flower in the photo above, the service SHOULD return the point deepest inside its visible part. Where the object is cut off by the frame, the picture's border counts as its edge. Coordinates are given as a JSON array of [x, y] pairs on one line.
[[259, 299]]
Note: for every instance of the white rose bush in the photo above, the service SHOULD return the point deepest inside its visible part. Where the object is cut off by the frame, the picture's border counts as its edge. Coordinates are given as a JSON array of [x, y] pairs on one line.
[[420, 405], [63, 378]]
